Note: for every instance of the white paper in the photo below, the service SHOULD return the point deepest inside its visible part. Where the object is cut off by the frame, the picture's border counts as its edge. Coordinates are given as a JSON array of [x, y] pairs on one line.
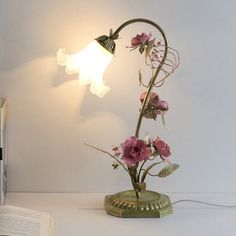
[[15, 221], [3, 181]]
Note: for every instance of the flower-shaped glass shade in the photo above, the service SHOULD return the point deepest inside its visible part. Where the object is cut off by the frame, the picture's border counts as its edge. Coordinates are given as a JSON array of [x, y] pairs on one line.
[[90, 64]]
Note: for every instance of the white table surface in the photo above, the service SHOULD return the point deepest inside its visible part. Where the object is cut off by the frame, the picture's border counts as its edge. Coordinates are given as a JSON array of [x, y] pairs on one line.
[[82, 214]]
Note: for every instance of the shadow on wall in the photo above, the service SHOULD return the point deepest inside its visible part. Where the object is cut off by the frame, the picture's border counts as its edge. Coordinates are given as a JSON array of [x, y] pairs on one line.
[[36, 29], [34, 33], [42, 84], [45, 125]]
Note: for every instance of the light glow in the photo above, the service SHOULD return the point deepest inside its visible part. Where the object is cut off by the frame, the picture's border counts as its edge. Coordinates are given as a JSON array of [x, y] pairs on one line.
[[90, 64]]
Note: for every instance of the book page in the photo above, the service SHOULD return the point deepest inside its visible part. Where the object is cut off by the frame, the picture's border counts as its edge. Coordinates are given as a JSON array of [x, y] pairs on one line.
[[3, 181], [15, 221]]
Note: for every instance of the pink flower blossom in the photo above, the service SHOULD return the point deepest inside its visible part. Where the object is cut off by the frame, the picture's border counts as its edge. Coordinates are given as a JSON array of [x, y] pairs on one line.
[[155, 106], [162, 148], [116, 151], [140, 39], [135, 150], [162, 106], [153, 98]]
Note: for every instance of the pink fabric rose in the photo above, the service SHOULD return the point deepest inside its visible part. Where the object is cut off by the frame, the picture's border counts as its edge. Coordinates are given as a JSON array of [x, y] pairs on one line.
[[153, 98], [155, 106], [162, 106], [162, 148], [135, 150], [140, 39]]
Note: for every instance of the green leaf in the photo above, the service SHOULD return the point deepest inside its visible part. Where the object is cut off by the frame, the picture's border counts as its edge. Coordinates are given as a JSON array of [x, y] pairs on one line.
[[140, 77], [111, 32], [115, 166], [169, 169], [163, 119], [141, 49]]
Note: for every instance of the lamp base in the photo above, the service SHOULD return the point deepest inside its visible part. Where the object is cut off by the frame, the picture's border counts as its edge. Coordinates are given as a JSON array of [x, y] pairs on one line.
[[149, 205]]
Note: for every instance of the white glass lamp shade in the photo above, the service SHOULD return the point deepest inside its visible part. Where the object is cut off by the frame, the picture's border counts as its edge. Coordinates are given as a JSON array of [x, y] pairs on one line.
[[90, 64]]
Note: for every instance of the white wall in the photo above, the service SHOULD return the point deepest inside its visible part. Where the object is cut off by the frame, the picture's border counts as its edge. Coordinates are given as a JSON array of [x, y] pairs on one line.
[[51, 116]]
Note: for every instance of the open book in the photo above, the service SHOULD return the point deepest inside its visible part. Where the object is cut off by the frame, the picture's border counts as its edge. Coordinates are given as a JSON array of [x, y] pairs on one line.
[[16, 221]]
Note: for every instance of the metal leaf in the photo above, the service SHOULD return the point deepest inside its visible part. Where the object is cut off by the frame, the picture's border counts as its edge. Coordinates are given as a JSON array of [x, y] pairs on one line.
[[169, 169], [141, 49], [140, 77]]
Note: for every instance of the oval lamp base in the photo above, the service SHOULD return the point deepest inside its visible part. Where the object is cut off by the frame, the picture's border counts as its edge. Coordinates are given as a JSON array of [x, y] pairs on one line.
[[149, 205]]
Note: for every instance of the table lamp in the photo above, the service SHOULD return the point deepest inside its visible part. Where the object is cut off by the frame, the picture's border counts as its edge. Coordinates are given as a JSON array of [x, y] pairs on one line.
[[134, 153]]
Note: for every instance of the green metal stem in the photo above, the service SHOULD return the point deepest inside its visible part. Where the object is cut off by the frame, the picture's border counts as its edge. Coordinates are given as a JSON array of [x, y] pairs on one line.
[[115, 35], [135, 177], [140, 169]]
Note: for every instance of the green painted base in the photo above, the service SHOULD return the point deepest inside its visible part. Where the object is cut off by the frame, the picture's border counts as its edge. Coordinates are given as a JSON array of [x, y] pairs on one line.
[[149, 205]]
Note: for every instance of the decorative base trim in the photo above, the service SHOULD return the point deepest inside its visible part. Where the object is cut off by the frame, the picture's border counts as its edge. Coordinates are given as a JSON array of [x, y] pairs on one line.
[[149, 205]]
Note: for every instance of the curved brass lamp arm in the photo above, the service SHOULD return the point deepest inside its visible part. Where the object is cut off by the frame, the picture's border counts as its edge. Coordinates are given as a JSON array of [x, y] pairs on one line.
[[115, 35]]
